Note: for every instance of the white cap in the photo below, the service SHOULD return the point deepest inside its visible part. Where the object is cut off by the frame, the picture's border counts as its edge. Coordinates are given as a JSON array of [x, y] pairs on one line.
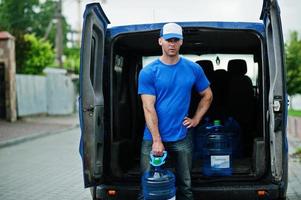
[[171, 30]]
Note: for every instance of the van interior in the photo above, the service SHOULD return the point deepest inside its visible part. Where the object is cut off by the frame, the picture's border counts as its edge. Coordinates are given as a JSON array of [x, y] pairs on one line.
[[237, 87]]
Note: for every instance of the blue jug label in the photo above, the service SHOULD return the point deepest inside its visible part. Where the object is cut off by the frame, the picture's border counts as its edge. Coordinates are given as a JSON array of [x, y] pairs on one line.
[[220, 161], [173, 198]]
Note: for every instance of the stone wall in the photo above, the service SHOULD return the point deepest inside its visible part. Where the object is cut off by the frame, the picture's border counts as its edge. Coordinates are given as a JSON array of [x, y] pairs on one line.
[[294, 126], [7, 58]]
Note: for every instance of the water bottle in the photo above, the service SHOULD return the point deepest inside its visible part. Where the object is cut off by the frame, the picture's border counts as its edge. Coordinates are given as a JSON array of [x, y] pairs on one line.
[[232, 128], [217, 152], [158, 183], [199, 135]]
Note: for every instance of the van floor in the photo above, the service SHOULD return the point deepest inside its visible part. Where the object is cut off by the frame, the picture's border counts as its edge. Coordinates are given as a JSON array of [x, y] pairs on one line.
[[240, 166]]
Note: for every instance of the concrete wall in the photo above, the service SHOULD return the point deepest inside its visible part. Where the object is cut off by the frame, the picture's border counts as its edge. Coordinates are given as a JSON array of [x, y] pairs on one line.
[[294, 126], [53, 94]]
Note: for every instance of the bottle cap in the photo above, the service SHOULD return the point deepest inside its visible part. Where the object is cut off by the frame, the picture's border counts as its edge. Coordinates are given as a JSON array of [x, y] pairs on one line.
[[217, 122], [157, 161]]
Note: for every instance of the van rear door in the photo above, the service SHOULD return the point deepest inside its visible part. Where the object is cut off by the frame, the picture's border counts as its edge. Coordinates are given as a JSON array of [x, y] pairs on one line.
[[91, 100], [277, 95]]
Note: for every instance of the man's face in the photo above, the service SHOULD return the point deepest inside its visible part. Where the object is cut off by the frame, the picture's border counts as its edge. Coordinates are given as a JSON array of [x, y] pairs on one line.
[[171, 46]]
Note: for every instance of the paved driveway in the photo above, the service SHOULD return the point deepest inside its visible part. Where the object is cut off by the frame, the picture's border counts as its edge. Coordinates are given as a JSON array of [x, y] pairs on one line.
[[47, 168]]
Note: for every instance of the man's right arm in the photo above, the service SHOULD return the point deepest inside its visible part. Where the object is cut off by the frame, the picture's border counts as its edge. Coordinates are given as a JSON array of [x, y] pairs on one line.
[[151, 120]]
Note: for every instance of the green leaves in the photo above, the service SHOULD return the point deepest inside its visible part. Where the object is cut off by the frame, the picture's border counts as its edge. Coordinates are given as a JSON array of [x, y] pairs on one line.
[[38, 54], [27, 21], [293, 64], [72, 60], [17, 16]]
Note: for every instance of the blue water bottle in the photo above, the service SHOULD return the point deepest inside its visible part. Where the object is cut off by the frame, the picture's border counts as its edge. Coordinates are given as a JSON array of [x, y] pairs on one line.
[[217, 152], [158, 183], [199, 136], [233, 130]]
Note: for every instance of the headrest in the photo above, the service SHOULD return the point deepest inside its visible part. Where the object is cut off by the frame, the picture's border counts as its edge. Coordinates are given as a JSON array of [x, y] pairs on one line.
[[237, 67], [220, 76], [220, 73], [206, 65]]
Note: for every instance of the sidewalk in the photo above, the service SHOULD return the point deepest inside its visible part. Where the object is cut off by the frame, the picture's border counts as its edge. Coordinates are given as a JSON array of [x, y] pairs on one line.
[[29, 128], [294, 143]]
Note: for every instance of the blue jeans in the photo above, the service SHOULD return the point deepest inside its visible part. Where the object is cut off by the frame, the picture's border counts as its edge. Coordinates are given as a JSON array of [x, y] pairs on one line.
[[182, 152]]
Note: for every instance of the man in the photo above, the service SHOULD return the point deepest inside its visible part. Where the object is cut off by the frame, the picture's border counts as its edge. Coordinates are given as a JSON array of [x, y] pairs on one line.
[[165, 87]]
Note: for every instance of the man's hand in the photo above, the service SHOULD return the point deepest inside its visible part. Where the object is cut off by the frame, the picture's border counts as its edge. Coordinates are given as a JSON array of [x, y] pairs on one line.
[[151, 120], [190, 122], [201, 109], [157, 148]]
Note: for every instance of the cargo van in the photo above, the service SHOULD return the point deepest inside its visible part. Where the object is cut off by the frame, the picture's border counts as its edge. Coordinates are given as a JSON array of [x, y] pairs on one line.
[[112, 119]]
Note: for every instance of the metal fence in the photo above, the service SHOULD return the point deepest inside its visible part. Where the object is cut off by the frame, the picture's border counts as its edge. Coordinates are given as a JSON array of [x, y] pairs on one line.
[[53, 94]]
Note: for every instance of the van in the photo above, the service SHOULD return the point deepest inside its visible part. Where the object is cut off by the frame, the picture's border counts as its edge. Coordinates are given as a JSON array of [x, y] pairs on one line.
[[112, 119]]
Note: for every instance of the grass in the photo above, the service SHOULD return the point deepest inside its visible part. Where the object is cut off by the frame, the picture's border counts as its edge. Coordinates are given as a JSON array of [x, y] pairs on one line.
[[296, 113], [298, 151], [297, 154]]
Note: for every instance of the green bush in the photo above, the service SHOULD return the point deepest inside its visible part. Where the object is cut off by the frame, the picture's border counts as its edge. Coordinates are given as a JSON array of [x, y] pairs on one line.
[[72, 59], [293, 64], [38, 54]]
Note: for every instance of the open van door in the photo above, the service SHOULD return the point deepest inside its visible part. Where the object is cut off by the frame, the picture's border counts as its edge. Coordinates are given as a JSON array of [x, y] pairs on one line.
[[277, 90], [91, 100]]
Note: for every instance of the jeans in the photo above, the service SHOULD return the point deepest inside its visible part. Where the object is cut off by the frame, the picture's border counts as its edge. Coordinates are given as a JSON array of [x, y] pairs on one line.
[[181, 151]]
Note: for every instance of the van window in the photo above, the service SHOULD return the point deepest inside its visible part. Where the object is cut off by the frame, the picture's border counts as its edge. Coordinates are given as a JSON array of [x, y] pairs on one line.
[[118, 74], [220, 61], [92, 63]]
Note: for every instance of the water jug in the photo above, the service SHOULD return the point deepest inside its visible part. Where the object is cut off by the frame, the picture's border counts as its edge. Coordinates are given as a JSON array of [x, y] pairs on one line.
[[158, 183], [217, 152], [232, 128], [199, 135]]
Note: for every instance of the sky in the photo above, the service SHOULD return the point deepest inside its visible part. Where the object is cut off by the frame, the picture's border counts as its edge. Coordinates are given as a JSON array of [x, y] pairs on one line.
[[122, 12]]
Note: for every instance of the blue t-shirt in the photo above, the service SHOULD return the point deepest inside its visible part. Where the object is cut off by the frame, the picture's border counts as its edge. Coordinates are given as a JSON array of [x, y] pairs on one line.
[[172, 85]]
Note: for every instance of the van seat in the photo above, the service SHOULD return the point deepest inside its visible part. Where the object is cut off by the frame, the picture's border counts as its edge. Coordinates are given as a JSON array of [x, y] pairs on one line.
[[207, 67], [240, 100], [219, 83]]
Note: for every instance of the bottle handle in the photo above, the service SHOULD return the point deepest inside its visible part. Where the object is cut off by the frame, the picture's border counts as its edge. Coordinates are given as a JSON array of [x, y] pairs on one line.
[[157, 161]]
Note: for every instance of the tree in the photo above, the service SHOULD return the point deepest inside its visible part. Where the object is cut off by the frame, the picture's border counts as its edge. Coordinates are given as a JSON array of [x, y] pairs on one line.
[[39, 54], [27, 17], [72, 60], [293, 64], [46, 16], [17, 17]]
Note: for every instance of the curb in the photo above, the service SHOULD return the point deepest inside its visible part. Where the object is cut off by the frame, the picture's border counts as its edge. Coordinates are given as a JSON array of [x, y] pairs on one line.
[[19, 140]]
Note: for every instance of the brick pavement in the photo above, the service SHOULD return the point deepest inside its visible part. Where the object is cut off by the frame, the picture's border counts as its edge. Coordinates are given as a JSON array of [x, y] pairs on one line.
[[47, 168], [50, 168], [28, 128], [294, 172]]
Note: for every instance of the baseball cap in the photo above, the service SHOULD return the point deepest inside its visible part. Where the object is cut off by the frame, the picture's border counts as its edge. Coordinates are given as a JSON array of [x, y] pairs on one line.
[[171, 30]]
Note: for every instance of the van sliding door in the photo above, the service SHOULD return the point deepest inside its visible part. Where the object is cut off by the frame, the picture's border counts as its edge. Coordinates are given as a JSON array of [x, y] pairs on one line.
[[277, 92], [91, 98]]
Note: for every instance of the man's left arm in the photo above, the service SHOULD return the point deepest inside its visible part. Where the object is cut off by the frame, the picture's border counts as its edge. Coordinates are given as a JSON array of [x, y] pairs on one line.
[[202, 108]]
